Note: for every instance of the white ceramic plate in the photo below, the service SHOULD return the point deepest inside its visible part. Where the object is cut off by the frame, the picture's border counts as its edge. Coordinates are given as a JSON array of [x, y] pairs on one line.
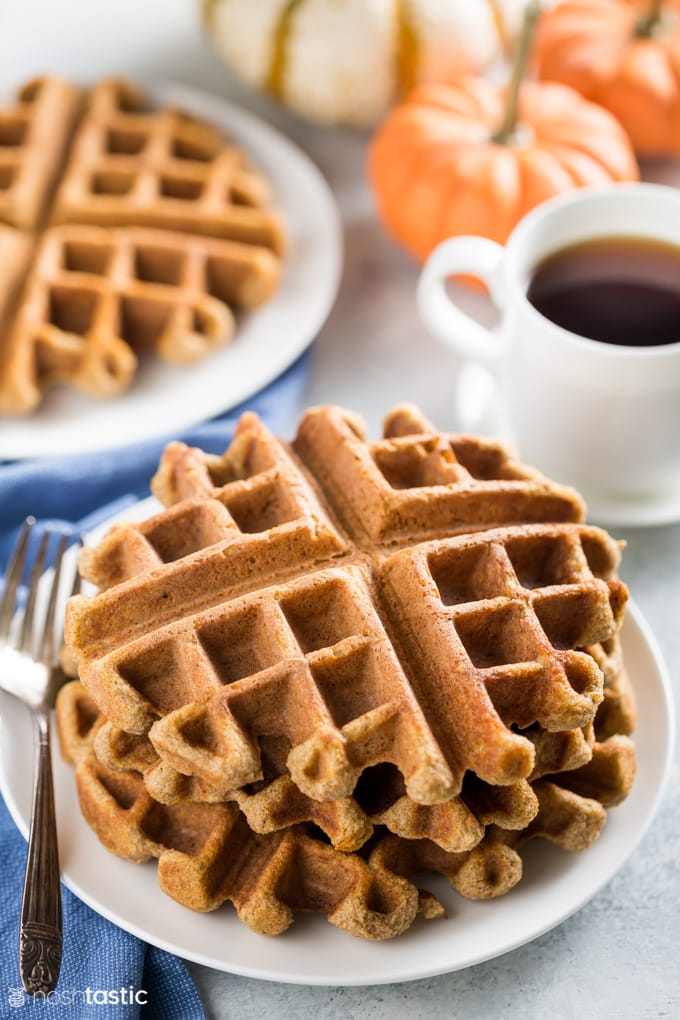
[[164, 398], [555, 883], [649, 511]]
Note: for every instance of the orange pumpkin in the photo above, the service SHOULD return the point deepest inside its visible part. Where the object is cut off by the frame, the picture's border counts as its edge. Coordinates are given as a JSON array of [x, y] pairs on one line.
[[624, 54], [440, 166]]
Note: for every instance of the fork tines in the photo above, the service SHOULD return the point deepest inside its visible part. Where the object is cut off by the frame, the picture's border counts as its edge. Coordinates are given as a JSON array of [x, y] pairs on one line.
[[41, 647]]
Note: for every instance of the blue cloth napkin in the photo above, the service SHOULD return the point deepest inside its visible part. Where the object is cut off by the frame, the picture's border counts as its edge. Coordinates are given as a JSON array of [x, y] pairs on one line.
[[99, 958]]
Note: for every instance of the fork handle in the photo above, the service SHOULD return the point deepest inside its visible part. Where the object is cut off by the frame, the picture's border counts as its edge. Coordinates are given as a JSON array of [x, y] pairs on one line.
[[40, 935]]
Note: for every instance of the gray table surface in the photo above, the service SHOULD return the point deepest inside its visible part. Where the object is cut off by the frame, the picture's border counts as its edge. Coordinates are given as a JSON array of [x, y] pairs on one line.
[[617, 957]]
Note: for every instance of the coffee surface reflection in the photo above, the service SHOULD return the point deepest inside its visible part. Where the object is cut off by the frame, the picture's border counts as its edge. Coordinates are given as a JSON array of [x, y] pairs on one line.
[[616, 290]]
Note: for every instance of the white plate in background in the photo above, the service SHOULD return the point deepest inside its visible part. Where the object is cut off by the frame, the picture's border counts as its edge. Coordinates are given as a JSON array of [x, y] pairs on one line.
[[165, 399]]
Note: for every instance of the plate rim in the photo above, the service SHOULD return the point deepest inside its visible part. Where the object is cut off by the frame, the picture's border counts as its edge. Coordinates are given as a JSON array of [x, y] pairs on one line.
[[640, 630], [654, 511], [206, 104]]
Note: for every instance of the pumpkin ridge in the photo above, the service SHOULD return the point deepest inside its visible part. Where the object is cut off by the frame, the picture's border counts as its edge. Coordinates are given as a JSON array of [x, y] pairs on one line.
[[570, 130], [673, 59], [568, 155], [408, 162], [274, 82], [599, 48], [479, 96], [541, 176], [487, 193], [595, 156], [674, 64], [422, 229], [207, 10], [407, 48], [451, 127], [569, 28], [405, 162], [655, 56]]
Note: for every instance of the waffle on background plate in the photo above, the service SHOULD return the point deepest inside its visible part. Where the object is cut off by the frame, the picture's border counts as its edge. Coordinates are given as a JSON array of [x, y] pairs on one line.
[[122, 230], [328, 665]]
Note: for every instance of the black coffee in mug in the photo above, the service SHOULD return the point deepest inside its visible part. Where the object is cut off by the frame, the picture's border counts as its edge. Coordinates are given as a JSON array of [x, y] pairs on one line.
[[617, 290]]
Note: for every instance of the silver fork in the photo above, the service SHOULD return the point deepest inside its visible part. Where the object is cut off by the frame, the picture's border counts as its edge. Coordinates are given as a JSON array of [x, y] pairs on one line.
[[29, 670]]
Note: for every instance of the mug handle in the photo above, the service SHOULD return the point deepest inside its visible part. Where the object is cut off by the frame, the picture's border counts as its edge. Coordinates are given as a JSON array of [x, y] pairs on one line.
[[474, 256]]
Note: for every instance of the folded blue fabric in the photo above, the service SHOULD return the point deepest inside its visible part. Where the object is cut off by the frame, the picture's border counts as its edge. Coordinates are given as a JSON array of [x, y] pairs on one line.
[[99, 958]]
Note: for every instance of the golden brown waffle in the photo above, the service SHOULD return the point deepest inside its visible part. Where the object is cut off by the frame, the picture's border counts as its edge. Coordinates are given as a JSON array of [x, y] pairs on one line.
[[564, 818], [497, 622], [618, 712], [379, 798], [259, 608], [609, 774], [78, 721], [195, 239], [97, 298], [15, 252], [162, 169], [571, 814], [418, 482], [34, 134], [207, 854], [275, 803]]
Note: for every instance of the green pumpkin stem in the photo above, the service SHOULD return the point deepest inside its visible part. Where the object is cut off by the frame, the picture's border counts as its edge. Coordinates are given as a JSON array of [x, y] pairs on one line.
[[507, 132], [648, 22]]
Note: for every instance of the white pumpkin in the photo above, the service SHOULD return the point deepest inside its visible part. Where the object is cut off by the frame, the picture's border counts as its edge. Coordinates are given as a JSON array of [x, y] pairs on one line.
[[346, 61]]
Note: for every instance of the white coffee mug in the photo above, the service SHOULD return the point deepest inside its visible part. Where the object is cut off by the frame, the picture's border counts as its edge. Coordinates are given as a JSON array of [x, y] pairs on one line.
[[605, 418]]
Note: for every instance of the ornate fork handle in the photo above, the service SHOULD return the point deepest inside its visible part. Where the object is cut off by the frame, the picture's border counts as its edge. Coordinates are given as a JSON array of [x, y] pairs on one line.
[[40, 936]]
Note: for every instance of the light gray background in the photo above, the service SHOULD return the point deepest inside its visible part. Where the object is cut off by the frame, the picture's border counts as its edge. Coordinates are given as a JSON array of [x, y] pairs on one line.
[[619, 956]]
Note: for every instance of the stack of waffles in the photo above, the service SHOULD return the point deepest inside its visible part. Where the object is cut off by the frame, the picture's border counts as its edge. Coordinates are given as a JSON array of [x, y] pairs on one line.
[[121, 230], [330, 665]]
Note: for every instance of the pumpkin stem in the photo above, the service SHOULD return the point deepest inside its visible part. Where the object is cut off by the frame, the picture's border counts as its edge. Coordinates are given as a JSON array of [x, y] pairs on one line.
[[648, 22], [507, 132]]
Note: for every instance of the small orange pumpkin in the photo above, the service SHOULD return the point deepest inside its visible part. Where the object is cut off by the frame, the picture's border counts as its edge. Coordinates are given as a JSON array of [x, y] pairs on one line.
[[625, 55], [471, 158]]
